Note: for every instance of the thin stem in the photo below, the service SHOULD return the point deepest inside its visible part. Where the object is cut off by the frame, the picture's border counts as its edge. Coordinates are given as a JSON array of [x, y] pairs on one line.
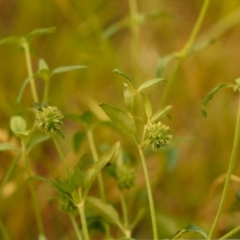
[[229, 173], [124, 209], [74, 223], [4, 231], [150, 197], [59, 150], [29, 69], [33, 193], [83, 221], [229, 234], [46, 91], [195, 30], [8, 174]]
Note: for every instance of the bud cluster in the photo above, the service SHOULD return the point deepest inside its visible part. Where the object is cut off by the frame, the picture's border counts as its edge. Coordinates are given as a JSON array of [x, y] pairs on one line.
[[125, 177]]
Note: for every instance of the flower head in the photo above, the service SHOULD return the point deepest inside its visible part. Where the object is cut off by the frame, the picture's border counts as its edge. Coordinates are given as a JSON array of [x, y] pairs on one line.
[[157, 135], [49, 120]]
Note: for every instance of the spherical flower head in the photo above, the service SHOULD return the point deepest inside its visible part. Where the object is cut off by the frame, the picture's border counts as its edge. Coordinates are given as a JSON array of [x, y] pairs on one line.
[[157, 135], [49, 120], [125, 177]]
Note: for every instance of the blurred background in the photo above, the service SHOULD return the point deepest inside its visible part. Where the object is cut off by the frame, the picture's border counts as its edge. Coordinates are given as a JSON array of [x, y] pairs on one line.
[[99, 34]]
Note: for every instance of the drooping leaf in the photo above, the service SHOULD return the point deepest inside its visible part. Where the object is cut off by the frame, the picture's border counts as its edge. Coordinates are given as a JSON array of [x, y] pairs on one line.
[[38, 32], [26, 81], [121, 120], [18, 124], [127, 78], [67, 69], [190, 228], [10, 40], [162, 63], [6, 146], [147, 105], [93, 171], [211, 94], [105, 210], [36, 140], [128, 96], [160, 114], [78, 139], [150, 83]]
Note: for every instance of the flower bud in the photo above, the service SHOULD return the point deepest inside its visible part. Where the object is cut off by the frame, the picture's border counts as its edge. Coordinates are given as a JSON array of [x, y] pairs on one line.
[[65, 204]]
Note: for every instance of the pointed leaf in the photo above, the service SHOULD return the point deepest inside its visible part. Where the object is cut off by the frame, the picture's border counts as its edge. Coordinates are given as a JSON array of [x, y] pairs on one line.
[[147, 105], [128, 96], [105, 210], [160, 114], [78, 140], [10, 40], [26, 81], [18, 124], [93, 171], [67, 69], [127, 79], [6, 147], [43, 70], [38, 32], [211, 94], [162, 63], [36, 140], [121, 120], [150, 83]]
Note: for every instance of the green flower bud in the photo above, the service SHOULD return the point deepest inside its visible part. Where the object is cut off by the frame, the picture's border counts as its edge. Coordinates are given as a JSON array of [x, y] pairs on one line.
[[157, 135], [125, 177], [65, 204], [49, 120]]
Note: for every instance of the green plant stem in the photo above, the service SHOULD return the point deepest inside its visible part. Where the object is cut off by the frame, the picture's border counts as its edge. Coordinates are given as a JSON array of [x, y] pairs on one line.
[[184, 52], [33, 193], [229, 173], [4, 231], [134, 38], [46, 90], [73, 220], [229, 234], [150, 197], [125, 215], [29, 69], [83, 220], [59, 150], [8, 174]]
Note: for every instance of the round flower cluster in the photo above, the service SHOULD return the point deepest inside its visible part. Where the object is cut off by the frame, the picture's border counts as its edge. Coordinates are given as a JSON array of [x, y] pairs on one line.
[[157, 135], [125, 177], [49, 120]]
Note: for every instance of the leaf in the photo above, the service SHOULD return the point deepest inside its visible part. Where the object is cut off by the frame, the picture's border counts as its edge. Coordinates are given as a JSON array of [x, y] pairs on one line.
[[160, 114], [147, 105], [128, 96], [26, 81], [43, 70], [191, 228], [121, 120], [93, 171], [105, 210], [38, 32], [211, 94], [140, 215], [36, 140], [78, 140], [67, 69], [162, 63], [18, 124], [10, 40], [150, 83], [201, 45], [127, 78], [6, 147]]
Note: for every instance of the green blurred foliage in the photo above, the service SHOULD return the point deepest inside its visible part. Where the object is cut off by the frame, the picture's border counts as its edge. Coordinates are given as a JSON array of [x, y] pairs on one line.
[[183, 194]]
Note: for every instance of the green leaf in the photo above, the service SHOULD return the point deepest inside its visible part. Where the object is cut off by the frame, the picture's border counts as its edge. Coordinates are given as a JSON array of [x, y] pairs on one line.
[[18, 124], [160, 114], [38, 32], [127, 78], [78, 140], [26, 81], [105, 210], [10, 40], [93, 171], [43, 70], [121, 120], [162, 63], [128, 97], [140, 215], [150, 83], [36, 140], [147, 105], [87, 118], [6, 147], [191, 228], [211, 94], [67, 69], [201, 45]]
